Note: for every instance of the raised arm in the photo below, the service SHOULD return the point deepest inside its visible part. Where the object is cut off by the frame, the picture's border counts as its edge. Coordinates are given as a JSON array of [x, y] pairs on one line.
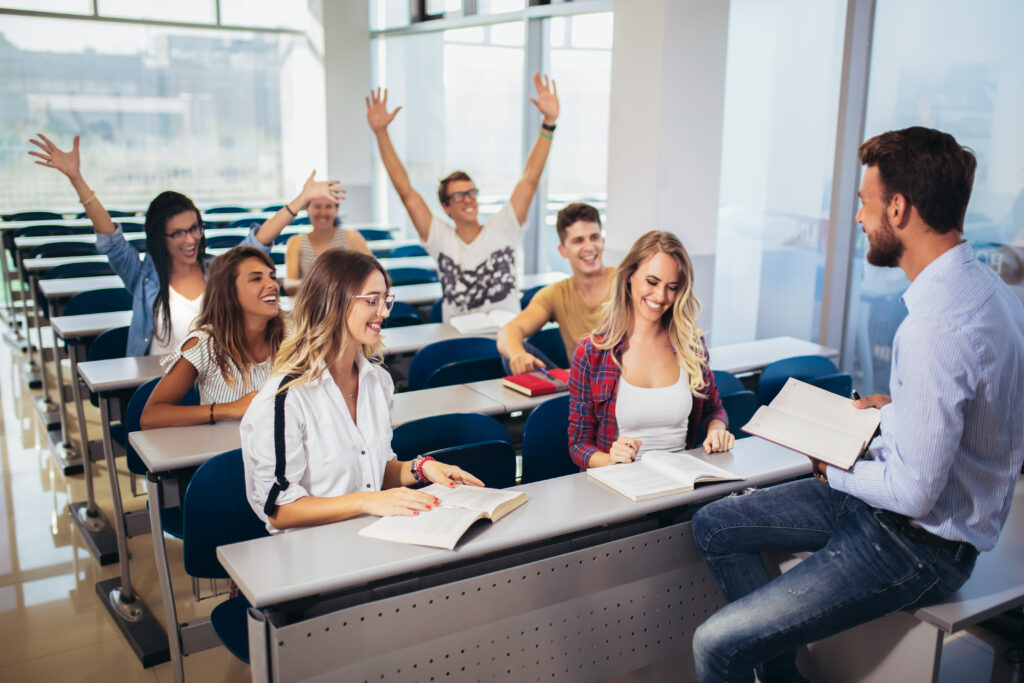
[[312, 189], [547, 104], [69, 164], [378, 117]]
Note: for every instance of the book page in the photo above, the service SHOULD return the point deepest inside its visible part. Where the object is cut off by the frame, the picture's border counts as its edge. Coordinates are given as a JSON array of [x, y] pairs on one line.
[[440, 527], [810, 438], [636, 480], [813, 404], [686, 467], [476, 498], [472, 323]]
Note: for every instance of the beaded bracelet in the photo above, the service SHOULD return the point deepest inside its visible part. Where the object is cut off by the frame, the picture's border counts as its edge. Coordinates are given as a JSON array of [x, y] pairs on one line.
[[417, 469], [87, 202]]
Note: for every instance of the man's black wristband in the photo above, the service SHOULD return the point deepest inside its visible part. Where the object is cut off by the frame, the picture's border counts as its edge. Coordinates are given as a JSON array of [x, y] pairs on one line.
[[550, 128]]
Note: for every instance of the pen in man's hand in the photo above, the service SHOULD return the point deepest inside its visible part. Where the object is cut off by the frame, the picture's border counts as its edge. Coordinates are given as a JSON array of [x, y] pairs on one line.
[[855, 396], [545, 371]]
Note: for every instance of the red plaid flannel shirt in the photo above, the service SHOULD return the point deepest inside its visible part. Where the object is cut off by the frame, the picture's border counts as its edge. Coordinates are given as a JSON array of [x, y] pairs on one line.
[[593, 384]]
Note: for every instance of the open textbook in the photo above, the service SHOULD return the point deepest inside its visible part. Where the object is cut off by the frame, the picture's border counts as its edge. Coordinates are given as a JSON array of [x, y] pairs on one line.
[[659, 473], [817, 423], [481, 323], [443, 525]]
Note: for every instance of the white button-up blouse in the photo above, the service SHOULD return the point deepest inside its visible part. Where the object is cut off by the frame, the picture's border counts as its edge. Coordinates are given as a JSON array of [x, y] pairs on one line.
[[326, 453]]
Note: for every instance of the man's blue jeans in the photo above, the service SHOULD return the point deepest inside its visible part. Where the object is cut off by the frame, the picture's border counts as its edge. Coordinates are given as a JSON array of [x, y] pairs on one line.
[[862, 568]]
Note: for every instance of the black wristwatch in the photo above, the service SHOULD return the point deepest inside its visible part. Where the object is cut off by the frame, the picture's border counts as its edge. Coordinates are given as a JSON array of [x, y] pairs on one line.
[[550, 128]]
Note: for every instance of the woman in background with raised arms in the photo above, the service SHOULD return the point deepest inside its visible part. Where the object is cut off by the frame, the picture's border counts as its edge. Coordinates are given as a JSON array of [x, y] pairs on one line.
[[642, 381]]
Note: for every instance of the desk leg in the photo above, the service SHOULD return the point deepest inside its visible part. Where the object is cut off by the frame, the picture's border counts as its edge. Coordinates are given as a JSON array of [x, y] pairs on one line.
[[154, 486], [138, 625], [61, 446], [259, 651], [48, 412], [13, 333], [97, 532]]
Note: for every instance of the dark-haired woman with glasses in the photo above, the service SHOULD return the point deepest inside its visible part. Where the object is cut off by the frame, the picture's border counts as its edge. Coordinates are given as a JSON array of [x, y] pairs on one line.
[[168, 282], [337, 402]]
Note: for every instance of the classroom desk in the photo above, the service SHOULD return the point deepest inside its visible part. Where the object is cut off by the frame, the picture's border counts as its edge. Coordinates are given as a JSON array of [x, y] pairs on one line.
[[412, 338], [754, 356], [577, 584], [513, 401], [65, 288], [431, 292]]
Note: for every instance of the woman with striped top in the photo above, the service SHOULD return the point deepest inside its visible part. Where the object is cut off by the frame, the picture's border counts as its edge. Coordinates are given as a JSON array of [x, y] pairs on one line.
[[229, 353], [326, 234]]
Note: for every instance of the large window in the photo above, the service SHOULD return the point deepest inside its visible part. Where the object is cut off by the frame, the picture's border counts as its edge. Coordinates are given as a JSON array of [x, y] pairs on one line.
[[781, 92], [959, 68], [208, 112]]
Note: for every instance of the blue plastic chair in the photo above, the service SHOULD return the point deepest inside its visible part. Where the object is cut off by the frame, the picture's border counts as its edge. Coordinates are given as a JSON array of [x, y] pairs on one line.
[[444, 431], [805, 368], [114, 213], [216, 513], [300, 220], [96, 301], [111, 343], [285, 236], [549, 342], [223, 241], [436, 315], [139, 243], [247, 223], [411, 276], [433, 356], [34, 216], [68, 270], [55, 249], [727, 382], [465, 371], [46, 231], [527, 295], [373, 235], [408, 250], [493, 462], [227, 209], [839, 383], [740, 407], [402, 315], [127, 227], [273, 207], [546, 441], [277, 257]]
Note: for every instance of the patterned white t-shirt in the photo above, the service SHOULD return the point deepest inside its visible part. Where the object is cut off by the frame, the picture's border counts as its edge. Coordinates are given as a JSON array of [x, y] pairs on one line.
[[482, 275], [212, 386]]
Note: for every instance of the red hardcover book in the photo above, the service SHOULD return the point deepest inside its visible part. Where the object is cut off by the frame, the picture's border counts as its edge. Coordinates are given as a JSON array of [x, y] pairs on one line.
[[539, 383]]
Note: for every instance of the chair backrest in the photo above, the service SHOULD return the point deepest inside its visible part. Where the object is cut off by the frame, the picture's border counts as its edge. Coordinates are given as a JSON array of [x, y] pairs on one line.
[[371, 234], [133, 414], [99, 301], [277, 257], [492, 462], [546, 441], [216, 513], [727, 383], [223, 241], [227, 209], [34, 216], [139, 243], [273, 207], [408, 250], [740, 406], [114, 213], [132, 226], [464, 371], [433, 356], [108, 344], [300, 220], [527, 295], [247, 223], [803, 368], [444, 431], [54, 249], [549, 341], [402, 315], [436, 314], [411, 276], [287, 234], [838, 383], [87, 269], [45, 231]]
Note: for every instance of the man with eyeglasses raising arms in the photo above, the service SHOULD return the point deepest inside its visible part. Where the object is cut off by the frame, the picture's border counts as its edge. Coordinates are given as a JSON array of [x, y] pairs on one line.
[[476, 263]]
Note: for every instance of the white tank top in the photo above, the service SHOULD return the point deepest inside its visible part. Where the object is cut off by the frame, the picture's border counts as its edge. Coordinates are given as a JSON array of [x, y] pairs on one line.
[[183, 313], [656, 416]]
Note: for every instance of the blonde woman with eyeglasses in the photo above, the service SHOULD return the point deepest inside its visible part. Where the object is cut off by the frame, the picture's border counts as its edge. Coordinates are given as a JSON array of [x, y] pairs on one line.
[[642, 381], [332, 401]]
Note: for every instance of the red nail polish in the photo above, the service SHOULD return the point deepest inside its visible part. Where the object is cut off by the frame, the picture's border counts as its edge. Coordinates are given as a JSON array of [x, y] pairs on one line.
[[451, 483], [416, 512], [437, 502], [428, 507]]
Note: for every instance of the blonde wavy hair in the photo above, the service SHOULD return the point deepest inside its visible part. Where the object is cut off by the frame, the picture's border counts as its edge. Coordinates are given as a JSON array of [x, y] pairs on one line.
[[319, 331], [680, 322]]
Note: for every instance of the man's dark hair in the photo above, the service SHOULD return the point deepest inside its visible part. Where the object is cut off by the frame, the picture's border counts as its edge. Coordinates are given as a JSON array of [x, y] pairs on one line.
[[575, 212], [442, 189], [929, 168]]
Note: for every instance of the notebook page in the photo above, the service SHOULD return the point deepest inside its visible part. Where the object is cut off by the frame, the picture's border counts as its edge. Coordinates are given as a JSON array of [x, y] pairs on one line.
[[808, 402], [815, 440]]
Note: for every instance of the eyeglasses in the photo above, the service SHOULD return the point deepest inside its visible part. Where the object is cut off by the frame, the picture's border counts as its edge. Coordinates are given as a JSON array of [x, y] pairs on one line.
[[178, 235], [459, 196], [375, 300]]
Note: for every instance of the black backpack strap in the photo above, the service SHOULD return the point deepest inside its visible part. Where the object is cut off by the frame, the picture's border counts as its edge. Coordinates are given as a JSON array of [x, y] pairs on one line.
[[280, 483]]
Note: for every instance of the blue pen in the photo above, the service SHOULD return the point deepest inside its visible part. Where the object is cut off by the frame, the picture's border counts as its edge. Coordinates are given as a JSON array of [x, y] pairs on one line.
[[545, 371]]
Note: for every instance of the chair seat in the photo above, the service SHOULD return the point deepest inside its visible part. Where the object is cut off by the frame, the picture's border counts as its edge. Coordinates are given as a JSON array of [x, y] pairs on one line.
[[229, 623]]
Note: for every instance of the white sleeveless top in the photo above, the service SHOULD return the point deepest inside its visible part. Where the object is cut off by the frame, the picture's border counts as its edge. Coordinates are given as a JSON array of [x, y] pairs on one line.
[[656, 416], [183, 314]]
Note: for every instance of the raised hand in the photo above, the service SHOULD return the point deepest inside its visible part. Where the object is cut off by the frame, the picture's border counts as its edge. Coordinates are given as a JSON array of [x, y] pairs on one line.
[[547, 98], [377, 110], [321, 189], [53, 156]]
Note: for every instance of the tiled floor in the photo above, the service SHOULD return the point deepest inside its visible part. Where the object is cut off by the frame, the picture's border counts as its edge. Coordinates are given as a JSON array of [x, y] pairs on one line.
[[52, 625]]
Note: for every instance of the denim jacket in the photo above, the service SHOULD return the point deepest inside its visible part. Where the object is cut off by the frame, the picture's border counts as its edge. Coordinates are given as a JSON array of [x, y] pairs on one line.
[[141, 281]]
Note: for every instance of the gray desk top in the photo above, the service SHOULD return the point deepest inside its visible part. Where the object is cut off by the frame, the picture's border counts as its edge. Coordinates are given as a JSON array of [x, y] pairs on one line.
[[997, 583], [115, 374], [89, 324], [458, 398], [62, 288], [512, 400], [45, 263], [414, 337], [421, 294], [333, 557], [750, 356]]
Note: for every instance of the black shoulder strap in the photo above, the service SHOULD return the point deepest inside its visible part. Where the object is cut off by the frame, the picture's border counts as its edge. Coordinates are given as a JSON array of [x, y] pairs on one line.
[[280, 483]]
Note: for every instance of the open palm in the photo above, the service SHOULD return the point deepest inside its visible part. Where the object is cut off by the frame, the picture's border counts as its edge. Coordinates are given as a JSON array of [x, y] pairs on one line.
[[53, 156]]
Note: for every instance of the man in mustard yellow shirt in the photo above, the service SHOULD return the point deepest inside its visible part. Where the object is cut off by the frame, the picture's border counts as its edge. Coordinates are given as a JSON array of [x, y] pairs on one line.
[[573, 303]]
